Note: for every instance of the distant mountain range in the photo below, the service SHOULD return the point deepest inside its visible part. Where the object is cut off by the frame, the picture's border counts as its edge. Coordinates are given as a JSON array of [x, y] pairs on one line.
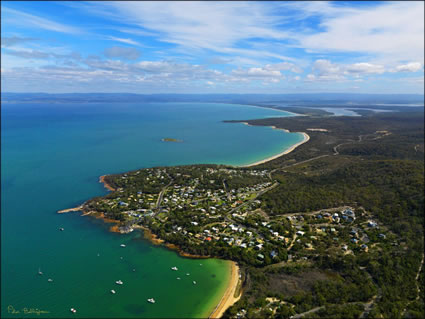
[[305, 99]]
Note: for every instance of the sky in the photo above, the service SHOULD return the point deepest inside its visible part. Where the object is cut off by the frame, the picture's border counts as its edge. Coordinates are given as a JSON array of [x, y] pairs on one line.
[[212, 47]]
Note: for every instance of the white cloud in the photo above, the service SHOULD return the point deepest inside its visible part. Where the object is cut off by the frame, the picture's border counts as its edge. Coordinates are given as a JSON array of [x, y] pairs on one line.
[[11, 41], [390, 30], [123, 40], [28, 54], [257, 72], [324, 78], [325, 67], [364, 68], [409, 67], [284, 66], [20, 18], [201, 24]]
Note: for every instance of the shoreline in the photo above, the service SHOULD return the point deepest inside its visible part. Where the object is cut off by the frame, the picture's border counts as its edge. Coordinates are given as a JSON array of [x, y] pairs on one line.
[[153, 238], [286, 151], [228, 298], [105, 184], [74, 209]]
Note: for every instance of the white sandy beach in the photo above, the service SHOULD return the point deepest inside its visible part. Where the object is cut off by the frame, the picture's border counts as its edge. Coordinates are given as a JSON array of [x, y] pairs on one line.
[[286, 151], [228, 298]]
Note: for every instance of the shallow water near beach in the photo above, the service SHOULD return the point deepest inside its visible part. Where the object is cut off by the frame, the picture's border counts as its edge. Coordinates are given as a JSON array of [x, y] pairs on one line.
[[52, 157]]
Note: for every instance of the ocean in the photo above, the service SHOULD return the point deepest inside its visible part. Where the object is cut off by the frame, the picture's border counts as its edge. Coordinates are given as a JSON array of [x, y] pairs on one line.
[[52, 156]]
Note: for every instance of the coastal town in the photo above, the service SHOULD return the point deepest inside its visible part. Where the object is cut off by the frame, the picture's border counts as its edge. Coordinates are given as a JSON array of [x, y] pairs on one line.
[[218, 211]]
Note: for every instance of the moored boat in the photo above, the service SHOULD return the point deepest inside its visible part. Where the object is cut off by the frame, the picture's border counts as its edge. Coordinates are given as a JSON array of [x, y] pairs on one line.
[[151, 300]]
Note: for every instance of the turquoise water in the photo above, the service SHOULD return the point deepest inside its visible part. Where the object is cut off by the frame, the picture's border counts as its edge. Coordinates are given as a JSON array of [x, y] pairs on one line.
[[52, 156]]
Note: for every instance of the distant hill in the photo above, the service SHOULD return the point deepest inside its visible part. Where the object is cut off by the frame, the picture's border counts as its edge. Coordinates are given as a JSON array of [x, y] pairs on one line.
[[316, 98]]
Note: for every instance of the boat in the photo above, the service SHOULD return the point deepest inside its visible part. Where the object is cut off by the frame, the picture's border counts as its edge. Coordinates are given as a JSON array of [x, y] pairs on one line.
[[174, 268], [194, 282], [151, 300], [200, 264], [73, 310], [40, 272], [120, 257], [134, 269], [119, 282], [61, 229], [178, 278], [113, 291], [122, 245], [50, 280], [187, 274]]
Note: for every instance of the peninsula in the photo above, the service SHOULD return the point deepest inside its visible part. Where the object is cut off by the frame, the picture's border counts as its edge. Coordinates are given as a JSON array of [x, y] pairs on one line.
[[314, 231]]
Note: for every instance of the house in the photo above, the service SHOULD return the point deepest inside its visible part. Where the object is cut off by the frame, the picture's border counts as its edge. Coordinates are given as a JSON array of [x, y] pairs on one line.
[[364, 247], [260, 256], [300, 233], [259, 246], [344, 247], [273, 254], [383, 236], [354, 233], [372, 224], [348, 212], [354, 240]]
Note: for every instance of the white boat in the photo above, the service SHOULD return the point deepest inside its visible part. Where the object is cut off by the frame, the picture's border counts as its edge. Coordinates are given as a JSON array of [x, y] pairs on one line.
[[200, 264], [119, 282], [61, 229], [113, 291], [178, 278], [187, 274], [73, 310], [120, 257], [194, 282], [122, 245], [174, 268], [50, 280], [151, 300], [40, 272]]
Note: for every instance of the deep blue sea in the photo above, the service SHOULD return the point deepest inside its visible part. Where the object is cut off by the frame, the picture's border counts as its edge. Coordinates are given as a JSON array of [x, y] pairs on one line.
[[51, 158]]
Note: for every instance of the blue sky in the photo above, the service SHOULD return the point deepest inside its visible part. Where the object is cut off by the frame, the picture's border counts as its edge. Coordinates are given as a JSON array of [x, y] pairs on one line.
[[212, 47]]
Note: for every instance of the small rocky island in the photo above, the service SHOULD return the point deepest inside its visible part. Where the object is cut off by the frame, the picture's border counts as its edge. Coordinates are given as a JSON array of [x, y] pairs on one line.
[[167, 139]]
